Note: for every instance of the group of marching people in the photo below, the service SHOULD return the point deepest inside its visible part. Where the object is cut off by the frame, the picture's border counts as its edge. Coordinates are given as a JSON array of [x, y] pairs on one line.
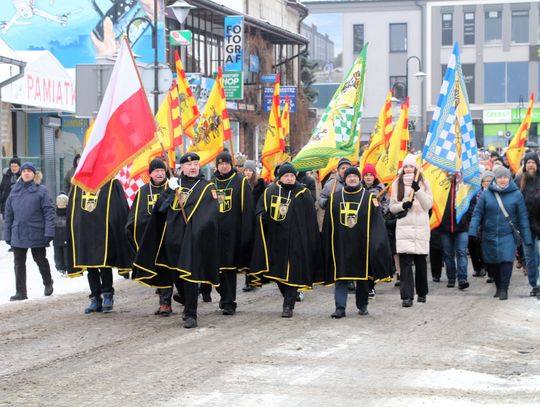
[[188, 233], [192, 234]]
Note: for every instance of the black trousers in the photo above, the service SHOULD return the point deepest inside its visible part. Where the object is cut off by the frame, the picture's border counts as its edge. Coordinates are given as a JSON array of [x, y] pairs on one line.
[[408, 282], [475, 251], [191, 295], [227, 288], [100, 281], [363, 287], [436, 261], [289, 294], [60, 257], [205, 288], [40, 257], [165, 294], [501, 272]]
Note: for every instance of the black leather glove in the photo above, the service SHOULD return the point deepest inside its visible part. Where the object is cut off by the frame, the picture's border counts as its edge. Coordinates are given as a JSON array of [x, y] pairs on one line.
[[415, 186], [406, 205]]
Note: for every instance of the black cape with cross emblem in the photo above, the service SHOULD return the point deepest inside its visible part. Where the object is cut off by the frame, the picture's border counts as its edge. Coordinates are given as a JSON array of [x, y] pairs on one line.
[[236, 220], [173, 249], [96, 229], [287, 245], [139, 214], [355, 251]]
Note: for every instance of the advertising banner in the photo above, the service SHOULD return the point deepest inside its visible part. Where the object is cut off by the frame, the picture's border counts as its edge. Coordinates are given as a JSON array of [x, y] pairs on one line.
[[234, 43]]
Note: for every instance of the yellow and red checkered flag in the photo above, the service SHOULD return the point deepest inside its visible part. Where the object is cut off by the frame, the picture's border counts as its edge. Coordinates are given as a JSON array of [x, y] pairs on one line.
[[188, 106], [381, 134], [214, 127], [516, 148], [169, 136], [273, 142]]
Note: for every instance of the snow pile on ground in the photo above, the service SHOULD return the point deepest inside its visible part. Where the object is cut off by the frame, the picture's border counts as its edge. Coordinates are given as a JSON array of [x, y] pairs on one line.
[[34, 283]]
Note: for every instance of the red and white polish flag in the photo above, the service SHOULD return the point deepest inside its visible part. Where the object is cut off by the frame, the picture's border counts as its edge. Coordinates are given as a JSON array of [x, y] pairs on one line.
[[123, 127]]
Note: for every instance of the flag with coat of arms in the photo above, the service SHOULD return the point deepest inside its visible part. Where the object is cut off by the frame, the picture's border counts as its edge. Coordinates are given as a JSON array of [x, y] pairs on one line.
[[451, 144]]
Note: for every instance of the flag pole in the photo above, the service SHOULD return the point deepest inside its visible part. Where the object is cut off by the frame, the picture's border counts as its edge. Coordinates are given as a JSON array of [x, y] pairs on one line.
[[171, 174]]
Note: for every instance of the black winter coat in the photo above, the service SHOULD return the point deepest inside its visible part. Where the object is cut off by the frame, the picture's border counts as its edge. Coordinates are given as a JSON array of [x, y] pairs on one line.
[[8, 180]]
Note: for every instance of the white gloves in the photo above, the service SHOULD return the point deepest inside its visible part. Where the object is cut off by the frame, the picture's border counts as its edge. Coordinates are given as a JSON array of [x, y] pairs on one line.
[[173, 183]]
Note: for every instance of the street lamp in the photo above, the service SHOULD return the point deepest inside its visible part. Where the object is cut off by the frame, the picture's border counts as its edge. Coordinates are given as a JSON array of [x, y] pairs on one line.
[[181, 10], [153, 25], [419, 75]]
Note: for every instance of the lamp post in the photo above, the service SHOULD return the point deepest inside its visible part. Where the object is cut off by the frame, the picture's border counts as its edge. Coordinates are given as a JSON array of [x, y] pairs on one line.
[[181, 9], [419, 75], [153, 26]]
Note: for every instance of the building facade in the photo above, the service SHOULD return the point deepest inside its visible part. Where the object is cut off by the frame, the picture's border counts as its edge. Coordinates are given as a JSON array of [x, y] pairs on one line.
[[499, 45], [499, 42], [321, 47]]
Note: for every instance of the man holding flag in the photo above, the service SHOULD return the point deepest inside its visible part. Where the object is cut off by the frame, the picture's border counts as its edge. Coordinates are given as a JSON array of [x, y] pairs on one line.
[[98, 209], [451, 153]]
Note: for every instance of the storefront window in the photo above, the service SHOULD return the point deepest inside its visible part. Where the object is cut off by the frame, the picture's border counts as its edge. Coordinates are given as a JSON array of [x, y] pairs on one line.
[[494, 86]]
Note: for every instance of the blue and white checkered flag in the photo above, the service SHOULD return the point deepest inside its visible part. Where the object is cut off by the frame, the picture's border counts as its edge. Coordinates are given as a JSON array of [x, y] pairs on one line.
[[454, 149]]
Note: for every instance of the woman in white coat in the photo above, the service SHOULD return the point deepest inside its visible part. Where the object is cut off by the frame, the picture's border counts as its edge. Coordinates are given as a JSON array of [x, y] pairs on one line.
[[411, 201]]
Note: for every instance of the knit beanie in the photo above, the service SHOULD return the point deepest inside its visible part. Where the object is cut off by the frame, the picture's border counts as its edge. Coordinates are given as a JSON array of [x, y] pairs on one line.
[[352, 170], [286, 168], [502, 172], [155, 164], [28, 166], [251, 165], [369, 169]]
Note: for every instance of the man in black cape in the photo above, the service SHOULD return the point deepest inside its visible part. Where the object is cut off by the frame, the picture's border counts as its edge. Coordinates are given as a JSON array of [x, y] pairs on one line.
[[236, 220], [97, 240], [287, 240], [139, 216], [181, 240], [355, 243]]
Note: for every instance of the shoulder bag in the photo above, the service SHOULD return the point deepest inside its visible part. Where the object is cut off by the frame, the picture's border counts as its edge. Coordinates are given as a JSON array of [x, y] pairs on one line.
[[515, 232]]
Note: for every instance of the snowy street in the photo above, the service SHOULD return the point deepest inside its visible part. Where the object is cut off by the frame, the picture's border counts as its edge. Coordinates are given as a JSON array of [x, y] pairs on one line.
[[460, 349]]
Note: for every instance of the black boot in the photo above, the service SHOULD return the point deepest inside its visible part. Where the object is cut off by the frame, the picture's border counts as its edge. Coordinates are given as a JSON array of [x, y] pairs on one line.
[[497, 293], [48, 290], [338, 313], [503, 294], [18, 297]]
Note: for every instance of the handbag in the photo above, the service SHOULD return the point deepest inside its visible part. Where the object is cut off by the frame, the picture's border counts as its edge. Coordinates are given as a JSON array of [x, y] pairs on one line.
[[515, 232]]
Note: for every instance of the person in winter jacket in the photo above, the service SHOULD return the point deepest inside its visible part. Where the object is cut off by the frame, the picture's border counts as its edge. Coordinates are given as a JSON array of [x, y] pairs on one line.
[[9, 179], [475, 250], [255, 182], [412, 195], [336, 184], [529, 185], [29, 224], [498, 238], [455, 239], [60, 234], [67, 178]]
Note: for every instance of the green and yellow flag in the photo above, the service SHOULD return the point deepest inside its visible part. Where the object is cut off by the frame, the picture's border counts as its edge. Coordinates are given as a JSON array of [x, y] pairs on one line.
[[336, 134]]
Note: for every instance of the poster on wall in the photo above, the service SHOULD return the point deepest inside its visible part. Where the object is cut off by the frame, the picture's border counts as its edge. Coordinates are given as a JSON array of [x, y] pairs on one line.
[[77, 32]]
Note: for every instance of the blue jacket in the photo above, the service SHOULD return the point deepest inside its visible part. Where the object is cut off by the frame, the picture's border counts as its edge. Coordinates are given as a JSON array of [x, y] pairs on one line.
[[497, 240], [29, 216]]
